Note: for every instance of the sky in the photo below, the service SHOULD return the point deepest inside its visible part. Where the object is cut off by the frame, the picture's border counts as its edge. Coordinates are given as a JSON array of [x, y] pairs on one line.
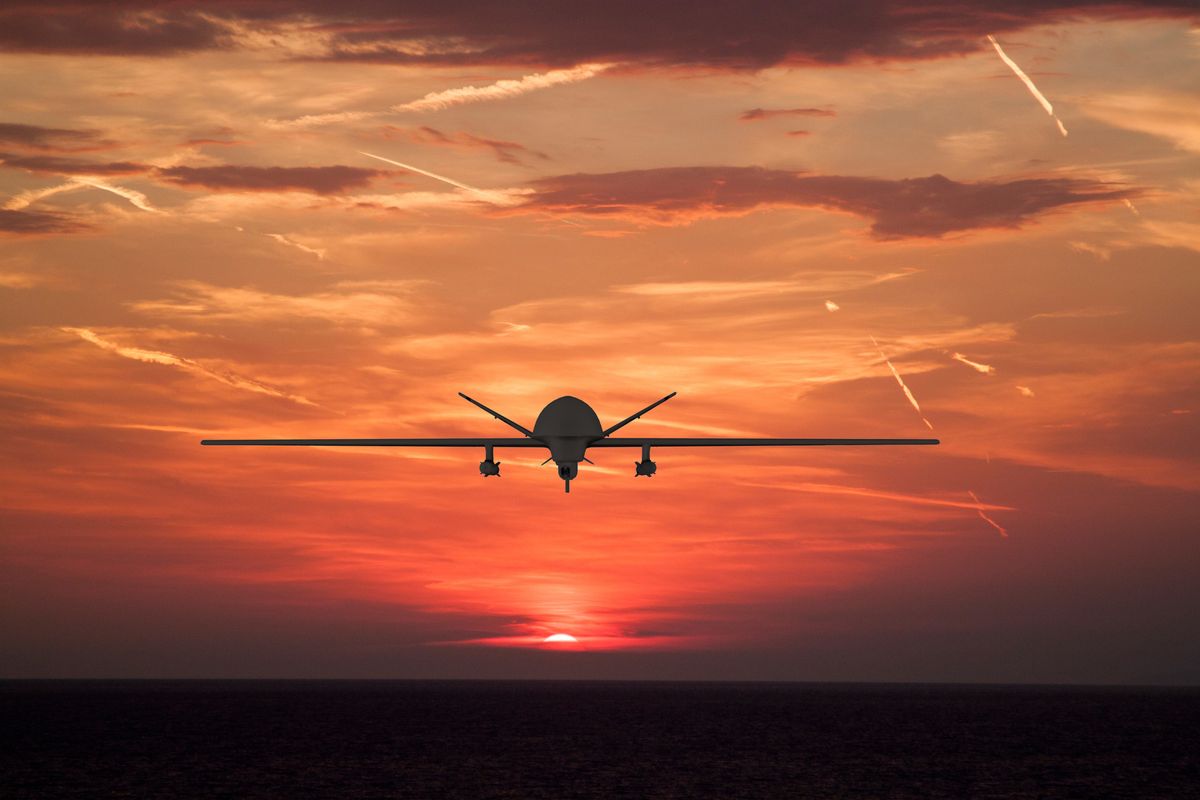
[[974, 221]]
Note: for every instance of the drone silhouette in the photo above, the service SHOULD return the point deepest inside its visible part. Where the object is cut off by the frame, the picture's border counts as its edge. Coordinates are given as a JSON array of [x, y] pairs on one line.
[[567, 427]]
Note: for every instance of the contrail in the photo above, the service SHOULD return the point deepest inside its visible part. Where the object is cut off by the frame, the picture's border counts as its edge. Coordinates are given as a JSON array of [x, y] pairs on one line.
[[433, 175], [31, 196], [319, 252], [979, 510], [436, 101], [907, 393], [858, 491], [488, 196], [986, 369], [831, 306], [1041, 98], [136, 198], [168, 359]]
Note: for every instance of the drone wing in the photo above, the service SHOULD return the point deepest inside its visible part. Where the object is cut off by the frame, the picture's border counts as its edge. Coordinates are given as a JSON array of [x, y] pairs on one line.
[[669, 442], [492, 442]]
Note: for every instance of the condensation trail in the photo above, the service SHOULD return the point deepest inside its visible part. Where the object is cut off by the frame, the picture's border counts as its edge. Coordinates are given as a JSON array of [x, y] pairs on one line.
[[436, 101], [986, 369], [907, 392], [319, 252], [493, 196], [488, 196], [171, 360], [1029, 84], [426, 173], [983, 516], [31, 196], [135, 197]]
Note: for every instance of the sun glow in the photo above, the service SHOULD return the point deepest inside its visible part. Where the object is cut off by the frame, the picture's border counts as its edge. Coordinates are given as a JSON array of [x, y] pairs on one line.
[[560, 637]]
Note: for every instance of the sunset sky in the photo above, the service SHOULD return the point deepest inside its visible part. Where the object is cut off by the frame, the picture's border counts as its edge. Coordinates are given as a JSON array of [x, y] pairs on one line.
[[808, 219]]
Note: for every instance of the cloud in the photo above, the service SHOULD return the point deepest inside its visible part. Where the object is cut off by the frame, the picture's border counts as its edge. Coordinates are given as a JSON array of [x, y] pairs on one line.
[[756, 114], [351, 303], [911, 207], [195, 367], [232, 177], [71, 166], [831, 306], [747, 36], [36, 137], [743, 36], [36, 222], [1174, 117], [109, 29], [505, 151]]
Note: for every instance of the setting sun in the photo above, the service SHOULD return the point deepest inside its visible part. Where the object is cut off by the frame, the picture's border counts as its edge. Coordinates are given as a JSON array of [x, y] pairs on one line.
[[558, 638]]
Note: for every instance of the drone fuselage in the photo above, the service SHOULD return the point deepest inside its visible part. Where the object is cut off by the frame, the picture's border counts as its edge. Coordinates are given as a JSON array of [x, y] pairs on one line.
[[567, 426]]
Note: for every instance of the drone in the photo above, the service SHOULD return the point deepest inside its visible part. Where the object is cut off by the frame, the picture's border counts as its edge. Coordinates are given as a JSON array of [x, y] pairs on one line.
[[568, 428]]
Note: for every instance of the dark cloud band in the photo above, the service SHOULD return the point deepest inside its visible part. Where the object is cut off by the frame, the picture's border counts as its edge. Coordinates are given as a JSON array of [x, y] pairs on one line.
[[912, 207], [667, 33]]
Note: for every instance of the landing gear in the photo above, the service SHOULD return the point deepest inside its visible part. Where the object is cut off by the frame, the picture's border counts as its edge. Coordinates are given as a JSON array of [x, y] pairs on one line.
[[645, 466], [567, 471]]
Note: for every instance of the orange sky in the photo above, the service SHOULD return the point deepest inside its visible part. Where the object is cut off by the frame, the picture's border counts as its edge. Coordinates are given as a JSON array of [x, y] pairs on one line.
[[727, 204]]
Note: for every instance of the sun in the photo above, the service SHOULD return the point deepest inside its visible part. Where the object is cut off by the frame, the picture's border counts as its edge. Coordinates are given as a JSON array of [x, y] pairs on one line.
[[560, 637]]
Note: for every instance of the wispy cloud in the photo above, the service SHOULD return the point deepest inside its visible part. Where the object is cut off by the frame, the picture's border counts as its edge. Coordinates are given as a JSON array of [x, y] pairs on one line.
[[195, 367], [756, 114], [831, 306], [506, 151], [862, 491], [1029, 84], [356, 304]]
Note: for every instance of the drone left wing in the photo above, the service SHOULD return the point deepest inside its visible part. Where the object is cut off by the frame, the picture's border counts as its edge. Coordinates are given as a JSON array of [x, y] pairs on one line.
[[379, 442]]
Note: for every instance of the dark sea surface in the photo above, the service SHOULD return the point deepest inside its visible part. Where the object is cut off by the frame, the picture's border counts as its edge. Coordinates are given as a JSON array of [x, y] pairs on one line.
[[432, 739]]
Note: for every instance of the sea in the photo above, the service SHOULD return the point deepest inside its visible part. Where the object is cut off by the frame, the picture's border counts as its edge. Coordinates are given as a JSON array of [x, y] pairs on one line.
[[532, 739]]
